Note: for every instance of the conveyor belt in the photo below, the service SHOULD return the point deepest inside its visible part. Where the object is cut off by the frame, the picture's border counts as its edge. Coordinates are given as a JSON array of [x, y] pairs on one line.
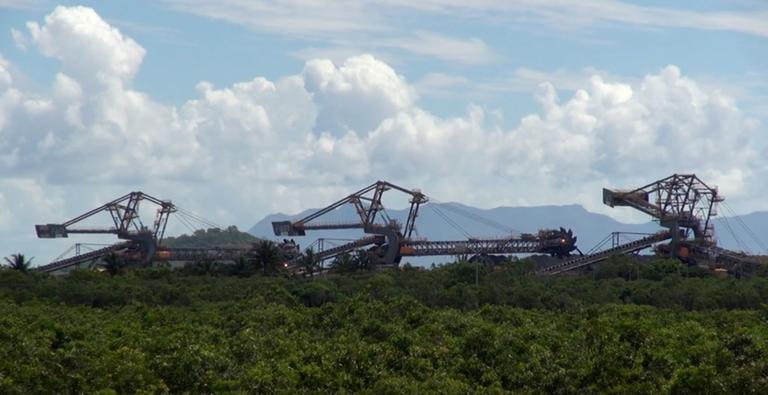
[[78, 259], [584, 260]]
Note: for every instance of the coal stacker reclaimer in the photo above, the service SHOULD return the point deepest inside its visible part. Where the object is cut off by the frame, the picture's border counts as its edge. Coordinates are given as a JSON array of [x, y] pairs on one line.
[[139, 243], [389, 240], [683, 205]]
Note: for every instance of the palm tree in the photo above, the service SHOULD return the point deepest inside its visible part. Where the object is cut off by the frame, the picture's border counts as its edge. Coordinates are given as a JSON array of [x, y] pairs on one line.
[[267, 256], [309, 262], [205, 266], [344, 263], [242, 266], [18, 262], [113, 264], [363, 260]]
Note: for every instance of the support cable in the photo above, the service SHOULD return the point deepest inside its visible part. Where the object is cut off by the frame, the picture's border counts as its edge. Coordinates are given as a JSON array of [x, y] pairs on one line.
[[473, 216], [192, 221], [449, 221], [63, 254], [198, 218], [751, 233], [182, 219], [597, 247], [735, 237]]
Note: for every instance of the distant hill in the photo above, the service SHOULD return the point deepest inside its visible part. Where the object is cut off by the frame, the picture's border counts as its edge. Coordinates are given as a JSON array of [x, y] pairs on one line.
[[229, 237], [590, 228], [757, 223], [463, 220]]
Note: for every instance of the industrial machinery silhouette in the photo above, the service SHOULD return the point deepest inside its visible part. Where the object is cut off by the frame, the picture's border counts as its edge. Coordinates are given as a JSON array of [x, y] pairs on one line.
[[389, 240], [681, 203], [140, 242]]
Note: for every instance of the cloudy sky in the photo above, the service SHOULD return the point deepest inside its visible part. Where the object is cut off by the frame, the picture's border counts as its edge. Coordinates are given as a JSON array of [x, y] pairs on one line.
[[236, 109]]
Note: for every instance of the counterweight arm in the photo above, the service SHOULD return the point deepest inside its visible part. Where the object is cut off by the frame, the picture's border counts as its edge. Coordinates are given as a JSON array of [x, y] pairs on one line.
[[124, 213]]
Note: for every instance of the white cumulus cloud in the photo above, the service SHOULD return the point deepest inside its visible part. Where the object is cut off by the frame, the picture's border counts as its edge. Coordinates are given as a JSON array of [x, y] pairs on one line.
[[239, 152], [356, 95], [88, 47]]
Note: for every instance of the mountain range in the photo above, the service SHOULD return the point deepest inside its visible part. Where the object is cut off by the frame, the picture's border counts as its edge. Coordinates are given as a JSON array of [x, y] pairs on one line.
[[454, 221]]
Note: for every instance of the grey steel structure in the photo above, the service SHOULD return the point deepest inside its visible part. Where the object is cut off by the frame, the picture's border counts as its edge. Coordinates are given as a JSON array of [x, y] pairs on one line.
[[391, 241], [554, 242], [140, 243], [683, 204]]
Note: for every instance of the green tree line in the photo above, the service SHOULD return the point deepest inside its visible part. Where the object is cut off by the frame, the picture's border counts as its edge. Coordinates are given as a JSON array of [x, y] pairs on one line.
[[660, 327]]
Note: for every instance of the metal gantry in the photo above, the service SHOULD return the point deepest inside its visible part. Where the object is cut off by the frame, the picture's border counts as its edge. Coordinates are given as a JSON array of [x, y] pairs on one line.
[[685, 205], [678, 202], [368, 206], [126, 224], [681, 203], [394, 241], [370, 210], [124, 212]]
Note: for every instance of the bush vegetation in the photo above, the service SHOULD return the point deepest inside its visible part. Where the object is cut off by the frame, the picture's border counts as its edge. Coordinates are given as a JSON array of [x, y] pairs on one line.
[[626, 327], [212, 237]]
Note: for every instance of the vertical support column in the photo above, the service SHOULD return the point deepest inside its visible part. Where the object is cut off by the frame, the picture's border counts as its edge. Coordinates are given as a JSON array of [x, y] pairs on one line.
[[674, 229], [615, 241]]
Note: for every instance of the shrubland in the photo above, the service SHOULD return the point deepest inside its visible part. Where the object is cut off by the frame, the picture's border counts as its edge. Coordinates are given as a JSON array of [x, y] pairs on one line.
[[458, 328]]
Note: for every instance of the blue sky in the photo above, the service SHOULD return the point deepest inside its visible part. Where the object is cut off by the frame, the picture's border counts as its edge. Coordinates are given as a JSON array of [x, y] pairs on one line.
[[243, 108], [185, 47]]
